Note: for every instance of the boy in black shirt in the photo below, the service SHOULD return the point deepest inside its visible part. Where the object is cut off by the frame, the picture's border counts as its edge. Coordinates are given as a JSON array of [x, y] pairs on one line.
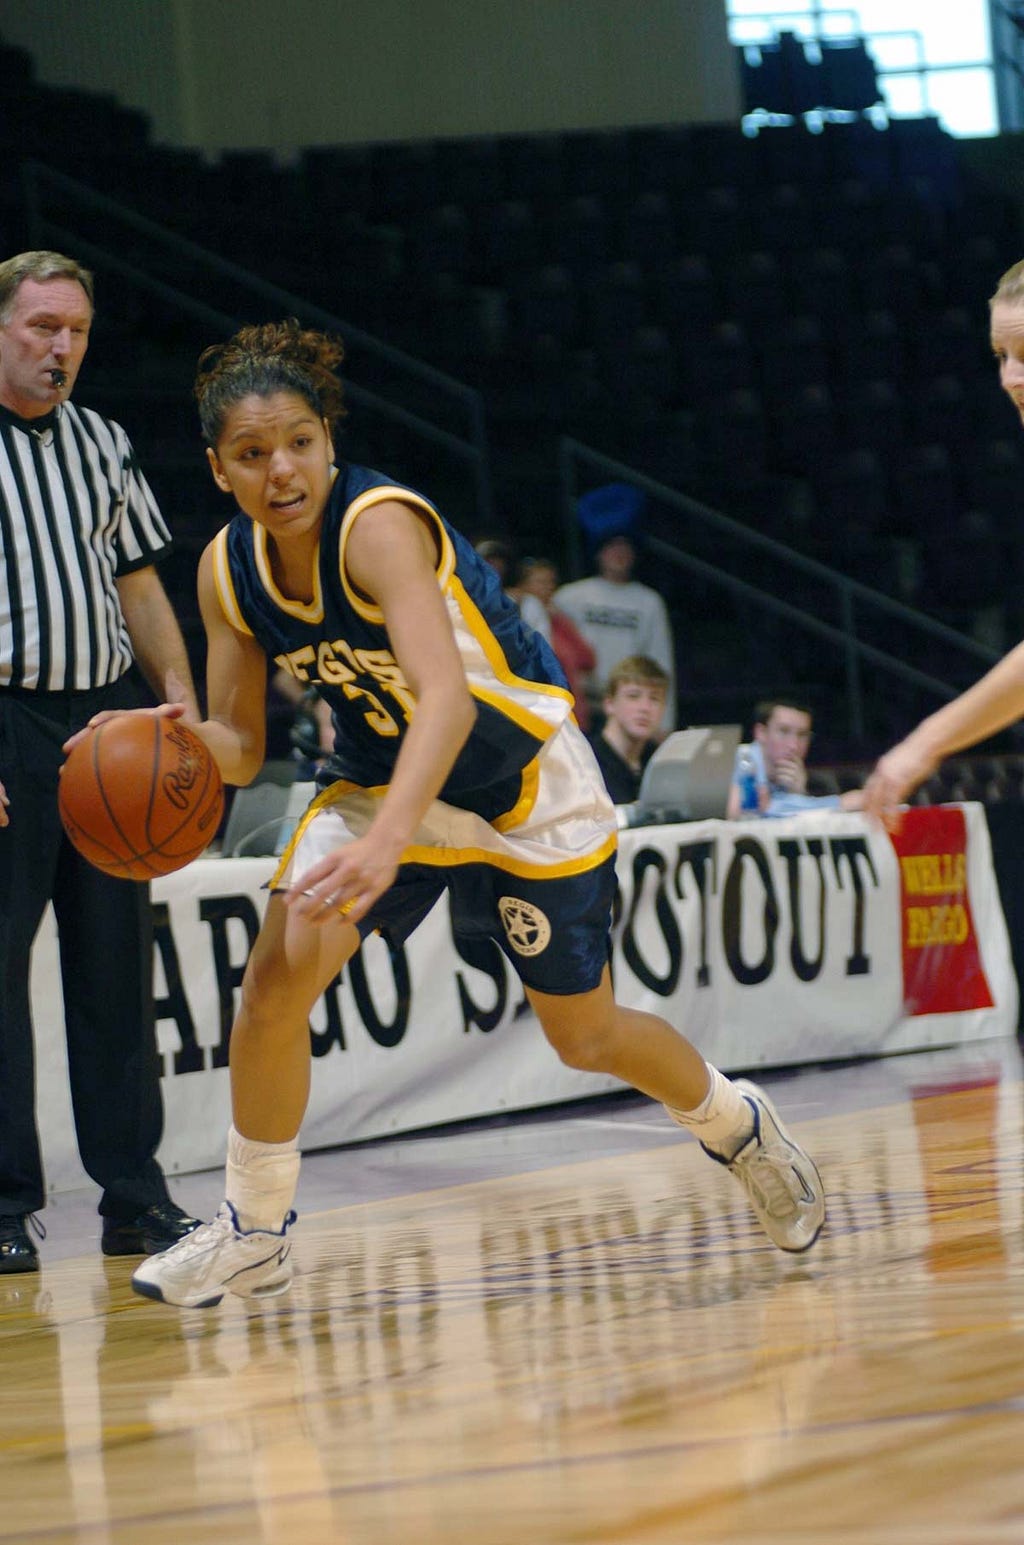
[[634, 703]]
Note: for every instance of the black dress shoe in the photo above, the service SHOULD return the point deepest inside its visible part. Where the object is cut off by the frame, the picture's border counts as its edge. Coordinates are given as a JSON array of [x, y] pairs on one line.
[[154, 1228], [17, 1252]]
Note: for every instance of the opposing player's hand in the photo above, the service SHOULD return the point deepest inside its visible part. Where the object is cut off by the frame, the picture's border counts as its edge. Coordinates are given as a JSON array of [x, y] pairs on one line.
[[161, 711], [5, 819], [896, 775], [345, 883]]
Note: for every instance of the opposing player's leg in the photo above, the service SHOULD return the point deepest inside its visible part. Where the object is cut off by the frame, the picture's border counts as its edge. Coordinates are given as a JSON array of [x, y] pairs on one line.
[[735, 1123], [245, 1249]]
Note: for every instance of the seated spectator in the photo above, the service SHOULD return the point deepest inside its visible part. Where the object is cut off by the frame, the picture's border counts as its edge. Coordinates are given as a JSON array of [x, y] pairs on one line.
[[782, 739], [634, 703], [502, 560], [617, 615], [538, 577]]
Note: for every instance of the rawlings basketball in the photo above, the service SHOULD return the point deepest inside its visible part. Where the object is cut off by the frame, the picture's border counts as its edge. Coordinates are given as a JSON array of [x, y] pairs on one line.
[[140, 796]]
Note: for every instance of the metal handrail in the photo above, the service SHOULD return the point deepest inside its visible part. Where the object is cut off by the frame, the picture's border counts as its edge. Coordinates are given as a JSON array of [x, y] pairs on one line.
[[472, 448], [573, 453]]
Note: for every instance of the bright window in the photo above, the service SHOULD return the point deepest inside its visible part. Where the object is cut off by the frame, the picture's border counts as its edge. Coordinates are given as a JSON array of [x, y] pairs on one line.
[[931, 56]]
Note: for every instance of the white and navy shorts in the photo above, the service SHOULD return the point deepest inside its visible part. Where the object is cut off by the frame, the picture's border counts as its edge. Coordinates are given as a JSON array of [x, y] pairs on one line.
[[539, 882]]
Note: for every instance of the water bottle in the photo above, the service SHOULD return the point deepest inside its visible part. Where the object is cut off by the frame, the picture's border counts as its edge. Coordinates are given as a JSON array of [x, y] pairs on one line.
[[747, 781]]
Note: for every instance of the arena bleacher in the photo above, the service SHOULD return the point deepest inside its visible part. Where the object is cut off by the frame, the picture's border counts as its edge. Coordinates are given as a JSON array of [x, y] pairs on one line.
[[787, 325]]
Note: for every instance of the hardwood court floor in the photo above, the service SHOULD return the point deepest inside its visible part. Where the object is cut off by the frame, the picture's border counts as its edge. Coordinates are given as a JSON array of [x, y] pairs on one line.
[[596, 1347]]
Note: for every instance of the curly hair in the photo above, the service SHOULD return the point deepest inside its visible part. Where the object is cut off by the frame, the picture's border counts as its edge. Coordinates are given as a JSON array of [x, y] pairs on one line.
[[265, 358]]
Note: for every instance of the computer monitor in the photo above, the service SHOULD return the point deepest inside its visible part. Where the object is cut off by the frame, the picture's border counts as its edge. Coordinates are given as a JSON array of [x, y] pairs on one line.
[[688, 777]]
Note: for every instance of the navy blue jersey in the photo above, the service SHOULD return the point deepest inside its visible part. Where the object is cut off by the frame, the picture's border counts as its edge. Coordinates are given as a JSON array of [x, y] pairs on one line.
[[338, 643]]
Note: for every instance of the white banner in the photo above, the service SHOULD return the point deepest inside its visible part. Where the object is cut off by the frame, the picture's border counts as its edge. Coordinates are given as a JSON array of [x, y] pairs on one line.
[[768, 942]]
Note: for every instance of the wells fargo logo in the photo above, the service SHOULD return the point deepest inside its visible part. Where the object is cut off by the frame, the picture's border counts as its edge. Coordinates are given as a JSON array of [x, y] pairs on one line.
[[942, 970]]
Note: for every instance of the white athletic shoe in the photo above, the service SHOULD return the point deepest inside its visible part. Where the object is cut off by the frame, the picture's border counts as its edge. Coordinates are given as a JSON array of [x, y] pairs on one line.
[[780, 1179], [218, 1258]]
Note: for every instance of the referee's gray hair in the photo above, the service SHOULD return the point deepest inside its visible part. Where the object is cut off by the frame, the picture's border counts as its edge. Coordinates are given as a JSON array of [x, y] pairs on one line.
[[40, 266]]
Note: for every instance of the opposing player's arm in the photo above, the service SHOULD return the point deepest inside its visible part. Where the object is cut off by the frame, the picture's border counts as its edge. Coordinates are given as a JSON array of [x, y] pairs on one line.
[[236, 688], [990, 705]]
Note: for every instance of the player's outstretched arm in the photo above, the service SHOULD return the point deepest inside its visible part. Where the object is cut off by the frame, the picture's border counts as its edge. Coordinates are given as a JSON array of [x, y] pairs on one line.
[[989, 706]]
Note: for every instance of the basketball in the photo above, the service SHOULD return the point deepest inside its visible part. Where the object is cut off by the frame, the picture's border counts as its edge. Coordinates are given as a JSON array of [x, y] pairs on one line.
[[140, 796]]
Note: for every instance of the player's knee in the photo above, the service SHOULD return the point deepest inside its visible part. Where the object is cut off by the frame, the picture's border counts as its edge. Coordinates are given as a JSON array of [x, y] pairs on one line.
[[585, 1047]]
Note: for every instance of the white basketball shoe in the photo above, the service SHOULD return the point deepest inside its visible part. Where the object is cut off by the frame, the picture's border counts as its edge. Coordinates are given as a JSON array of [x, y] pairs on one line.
[[781, 1180], [218, 1258]]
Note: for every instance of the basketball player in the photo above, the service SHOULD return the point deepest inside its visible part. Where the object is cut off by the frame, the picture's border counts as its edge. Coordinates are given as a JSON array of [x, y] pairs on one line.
[[998, 698], [456, 766]]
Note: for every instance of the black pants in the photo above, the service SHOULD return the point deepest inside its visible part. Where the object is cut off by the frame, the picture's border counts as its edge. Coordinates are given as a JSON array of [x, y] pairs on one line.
[[105, 933]]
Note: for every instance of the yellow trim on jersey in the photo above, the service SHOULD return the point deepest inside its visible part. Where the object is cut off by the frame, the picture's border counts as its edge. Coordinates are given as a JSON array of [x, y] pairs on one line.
[[386, 494], [305, 611], [529, 789], [327, 796], [443, 857], [447, 857], [540, 729], [474, 620], [225, 586]]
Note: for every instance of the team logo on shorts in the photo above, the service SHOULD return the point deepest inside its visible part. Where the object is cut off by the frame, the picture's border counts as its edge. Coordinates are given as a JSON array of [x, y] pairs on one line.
[[528, 929]]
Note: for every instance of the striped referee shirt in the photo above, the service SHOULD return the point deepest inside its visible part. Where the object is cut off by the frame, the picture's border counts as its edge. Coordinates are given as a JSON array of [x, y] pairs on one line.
[[75, 514]]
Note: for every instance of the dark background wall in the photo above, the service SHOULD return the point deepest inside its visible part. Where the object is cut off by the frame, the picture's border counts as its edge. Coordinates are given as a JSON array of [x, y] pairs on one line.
[[248, 73]]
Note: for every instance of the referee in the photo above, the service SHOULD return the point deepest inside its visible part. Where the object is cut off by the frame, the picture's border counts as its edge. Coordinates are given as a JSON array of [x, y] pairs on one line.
[[80, 601]]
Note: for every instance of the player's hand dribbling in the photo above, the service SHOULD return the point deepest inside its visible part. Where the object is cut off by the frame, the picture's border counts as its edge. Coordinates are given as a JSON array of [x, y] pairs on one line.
[[162, 710]]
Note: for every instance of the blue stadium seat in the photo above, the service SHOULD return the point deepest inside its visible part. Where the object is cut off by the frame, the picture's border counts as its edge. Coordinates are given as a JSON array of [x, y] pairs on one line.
[[821, 284], [508, 236], [785, 220], [545, 300], [597, 162], [732, 434], [925, 494], [720, 361], [716, 221], [614, 304], [684, 296], [790, 153], [939, 411], [851, 491], [533, 167], [791, 354], [649, 229], [580, 234], [953, 343], [873, 416], [406, 178], [755, 288], [804, 429], [440, 240], [870, 347], [471, 170]]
